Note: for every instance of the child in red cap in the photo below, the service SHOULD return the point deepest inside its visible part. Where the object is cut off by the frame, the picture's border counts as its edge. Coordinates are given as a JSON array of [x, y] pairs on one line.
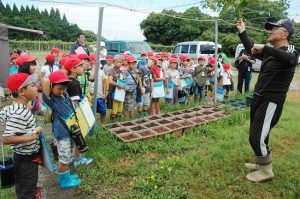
[[227, 78], [172, 76], [165, 61], [185, 72], [75, 68], [133, 83], [21, 132], [158, 75], [49, 66], [14, 68], [109, 64], [55, 52], [143, 62], [115, 74], [55, 96]]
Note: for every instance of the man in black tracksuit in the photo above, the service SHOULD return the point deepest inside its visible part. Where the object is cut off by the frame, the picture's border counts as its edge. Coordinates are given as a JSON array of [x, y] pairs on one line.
[[277, 71]]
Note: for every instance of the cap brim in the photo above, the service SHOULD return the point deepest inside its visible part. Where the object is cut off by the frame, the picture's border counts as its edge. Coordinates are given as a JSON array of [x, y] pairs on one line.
[[61, 81], [269, 25], [31, 79]]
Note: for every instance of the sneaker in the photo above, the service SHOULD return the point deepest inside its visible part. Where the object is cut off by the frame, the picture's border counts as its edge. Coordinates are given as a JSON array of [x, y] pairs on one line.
[[83, 161]]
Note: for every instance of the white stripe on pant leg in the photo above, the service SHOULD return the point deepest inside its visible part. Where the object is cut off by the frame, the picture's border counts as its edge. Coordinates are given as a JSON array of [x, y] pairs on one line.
[[266, 127]]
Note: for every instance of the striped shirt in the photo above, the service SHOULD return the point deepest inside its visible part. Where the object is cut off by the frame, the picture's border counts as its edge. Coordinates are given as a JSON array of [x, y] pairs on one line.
[[18, 120]]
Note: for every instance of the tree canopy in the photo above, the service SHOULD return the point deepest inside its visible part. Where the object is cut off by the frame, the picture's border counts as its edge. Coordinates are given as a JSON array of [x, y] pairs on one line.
[[54, 25], [170, 27]]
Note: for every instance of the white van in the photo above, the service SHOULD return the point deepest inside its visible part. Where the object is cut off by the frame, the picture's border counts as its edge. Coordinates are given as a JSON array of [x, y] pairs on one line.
[[194, 48], [239, 48]]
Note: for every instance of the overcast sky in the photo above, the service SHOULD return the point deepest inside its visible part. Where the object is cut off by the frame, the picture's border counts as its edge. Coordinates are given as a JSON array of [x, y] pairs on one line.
[[120, 23]]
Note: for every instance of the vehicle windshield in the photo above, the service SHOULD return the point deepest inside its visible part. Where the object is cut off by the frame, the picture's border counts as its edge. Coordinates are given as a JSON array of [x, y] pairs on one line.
[[138, 47], [207, 49]]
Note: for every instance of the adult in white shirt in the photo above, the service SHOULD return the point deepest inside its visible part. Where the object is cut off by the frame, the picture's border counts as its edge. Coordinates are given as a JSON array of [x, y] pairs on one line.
[[103, 52], [49, 66]]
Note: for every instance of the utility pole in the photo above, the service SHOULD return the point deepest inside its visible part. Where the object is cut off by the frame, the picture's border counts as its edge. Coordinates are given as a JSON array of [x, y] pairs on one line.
[[100, 21], [216, 61]]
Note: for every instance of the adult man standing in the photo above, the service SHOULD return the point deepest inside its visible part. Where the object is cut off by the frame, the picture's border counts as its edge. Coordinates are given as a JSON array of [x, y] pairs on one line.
[[244, 65], [277, 72], [79, 44]]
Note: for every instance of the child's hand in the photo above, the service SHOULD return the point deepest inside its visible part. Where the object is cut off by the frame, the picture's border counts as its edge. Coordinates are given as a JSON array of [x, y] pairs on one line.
[[168, 91], [120, 86]]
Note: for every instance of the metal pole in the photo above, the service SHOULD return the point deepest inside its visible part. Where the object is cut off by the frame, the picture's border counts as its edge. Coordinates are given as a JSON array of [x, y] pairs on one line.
[[100, 20], [216, 58]]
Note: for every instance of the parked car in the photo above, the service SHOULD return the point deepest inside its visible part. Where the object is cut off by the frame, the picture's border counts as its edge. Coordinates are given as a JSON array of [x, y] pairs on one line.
[[194, 48], [239, 48], [134, 48]]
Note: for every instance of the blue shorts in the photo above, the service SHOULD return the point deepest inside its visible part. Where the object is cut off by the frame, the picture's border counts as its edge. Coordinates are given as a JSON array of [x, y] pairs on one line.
[[139, 99], [101, 107]]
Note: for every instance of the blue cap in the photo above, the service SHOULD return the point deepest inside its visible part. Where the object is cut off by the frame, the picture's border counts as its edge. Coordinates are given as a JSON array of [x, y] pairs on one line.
[[285, 23]]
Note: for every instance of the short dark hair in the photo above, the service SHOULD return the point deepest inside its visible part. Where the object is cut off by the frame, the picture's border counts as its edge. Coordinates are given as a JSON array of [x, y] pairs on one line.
[[78, 34], [49, 62], [62, 83], [25, 68]]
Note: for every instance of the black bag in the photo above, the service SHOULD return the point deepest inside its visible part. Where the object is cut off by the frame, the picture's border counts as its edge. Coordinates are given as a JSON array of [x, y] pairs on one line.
[[232, 85], [109, 100], [138, 90], [181, 93]]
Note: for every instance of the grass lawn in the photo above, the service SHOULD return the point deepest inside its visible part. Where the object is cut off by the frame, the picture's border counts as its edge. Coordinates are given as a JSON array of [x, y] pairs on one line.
[[207, 162]]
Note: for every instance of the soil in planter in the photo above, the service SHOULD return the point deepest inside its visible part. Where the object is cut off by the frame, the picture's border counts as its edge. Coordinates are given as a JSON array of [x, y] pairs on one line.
[[166, 115], [154, 118], [150, 125], [187, 111], [216, 109], [142, 121], [160, 130], [186, 123], [173, 126], [178, 118], [198, 121], [128, 124], [164, 122], [146, 133], [121, 131], [112, 126], [129, 137], [137, 128], [196, 109], [199, 113], [187, 116], [208, 112]]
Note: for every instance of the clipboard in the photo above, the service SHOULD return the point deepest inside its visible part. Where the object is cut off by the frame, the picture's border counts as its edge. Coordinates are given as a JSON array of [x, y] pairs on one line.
[[119, 94], [46, 153], [171, 90], [158, 89]]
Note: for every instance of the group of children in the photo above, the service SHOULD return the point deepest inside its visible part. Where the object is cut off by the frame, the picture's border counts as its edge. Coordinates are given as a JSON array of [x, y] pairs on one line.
[[65, 81]]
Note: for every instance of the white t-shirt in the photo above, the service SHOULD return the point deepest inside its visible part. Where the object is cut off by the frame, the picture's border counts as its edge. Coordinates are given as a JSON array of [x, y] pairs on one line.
[[101, 76], [226, 77], [46, 69], [104, 51], [174, 75]]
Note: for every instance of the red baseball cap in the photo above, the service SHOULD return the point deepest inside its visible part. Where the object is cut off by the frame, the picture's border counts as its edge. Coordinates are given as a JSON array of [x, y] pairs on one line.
[[184, 58], [131, 59], [62, 61], [226, 67], [92, 58], [14, 55], [158, 57], [126, 56], [50, 57], [83, 56], [109, 57], [165, 54], [174, 55], [20, 80], [201, 57], [212, 60], [72, 63], [55, 50], [154, 58], [143, 53], [150, 53], [173, 60], [58, 77], [23, 59]]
